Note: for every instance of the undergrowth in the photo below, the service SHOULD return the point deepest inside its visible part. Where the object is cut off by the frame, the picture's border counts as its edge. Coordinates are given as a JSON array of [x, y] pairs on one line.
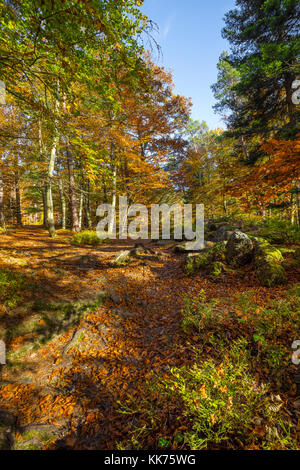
[[86, 237], [230, 397]]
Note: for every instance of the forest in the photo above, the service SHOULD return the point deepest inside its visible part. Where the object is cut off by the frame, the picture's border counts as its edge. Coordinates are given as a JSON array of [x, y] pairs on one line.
[[115, 343]]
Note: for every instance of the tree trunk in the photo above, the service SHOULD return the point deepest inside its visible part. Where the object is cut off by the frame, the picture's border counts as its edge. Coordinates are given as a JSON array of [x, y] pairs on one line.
[[244, 147], [114, 192], [291, 107], [2, 217], [12, 208], [80, 209], [50, 210], [44, 195], [87, 206], [88, 216], [63, 204], [73, 200], [294, 209], [18, 202]]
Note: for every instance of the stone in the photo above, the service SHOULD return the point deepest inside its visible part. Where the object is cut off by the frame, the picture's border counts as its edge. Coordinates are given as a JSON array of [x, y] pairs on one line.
[[269, 270], [205, 259], [7, 418], [184, 247], [181, 248], [122, 258], [222, 234], [239, 249]]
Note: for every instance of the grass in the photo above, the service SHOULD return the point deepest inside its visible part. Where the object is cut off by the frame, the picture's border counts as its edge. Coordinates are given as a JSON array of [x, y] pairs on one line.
[[86, 237], [11, 286]]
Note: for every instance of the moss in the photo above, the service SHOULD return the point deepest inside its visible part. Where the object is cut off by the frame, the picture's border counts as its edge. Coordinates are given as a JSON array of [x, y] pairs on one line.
[[218, 252], [259, 241], [205, 260], [270, 274], [274, 253], [34, 440], [269, 270], [270, 254], [202, 261]]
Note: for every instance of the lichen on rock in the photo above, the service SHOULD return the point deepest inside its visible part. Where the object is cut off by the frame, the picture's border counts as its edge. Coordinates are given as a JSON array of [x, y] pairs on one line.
[[239, 249]]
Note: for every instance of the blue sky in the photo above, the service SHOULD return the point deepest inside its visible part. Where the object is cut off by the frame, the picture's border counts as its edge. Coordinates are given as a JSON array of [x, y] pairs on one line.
[[191, 42]]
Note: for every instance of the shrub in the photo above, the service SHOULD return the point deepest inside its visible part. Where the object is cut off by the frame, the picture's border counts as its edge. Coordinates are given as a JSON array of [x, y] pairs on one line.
[[86, 237], [198, 314], [211, 405], [268, 329], [221, 400], [280, 231]]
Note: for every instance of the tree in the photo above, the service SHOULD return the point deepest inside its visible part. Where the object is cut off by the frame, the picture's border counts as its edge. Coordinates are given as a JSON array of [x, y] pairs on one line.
[[265, 49], [49, 51]]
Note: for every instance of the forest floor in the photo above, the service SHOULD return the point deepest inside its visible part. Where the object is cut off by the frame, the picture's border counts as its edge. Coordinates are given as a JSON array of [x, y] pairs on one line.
[[125, 324]]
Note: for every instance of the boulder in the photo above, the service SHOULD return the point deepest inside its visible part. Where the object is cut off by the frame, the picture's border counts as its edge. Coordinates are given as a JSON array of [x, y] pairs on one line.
[[184, 247], [239, 249], [205, 259], [222, 234], [269, 270]]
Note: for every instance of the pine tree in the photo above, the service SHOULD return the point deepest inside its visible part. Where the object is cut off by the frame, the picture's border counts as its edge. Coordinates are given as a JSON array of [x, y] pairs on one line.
[[264, 36]]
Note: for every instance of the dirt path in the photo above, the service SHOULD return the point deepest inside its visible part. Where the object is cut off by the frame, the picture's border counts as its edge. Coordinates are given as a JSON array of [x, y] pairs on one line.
[[71, 395]]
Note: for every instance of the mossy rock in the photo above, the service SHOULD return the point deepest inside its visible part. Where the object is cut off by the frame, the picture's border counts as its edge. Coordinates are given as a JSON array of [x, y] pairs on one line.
[[268, 266], [270, 274], [269, 253], [259, 241], [205, 260], [239, 249]]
